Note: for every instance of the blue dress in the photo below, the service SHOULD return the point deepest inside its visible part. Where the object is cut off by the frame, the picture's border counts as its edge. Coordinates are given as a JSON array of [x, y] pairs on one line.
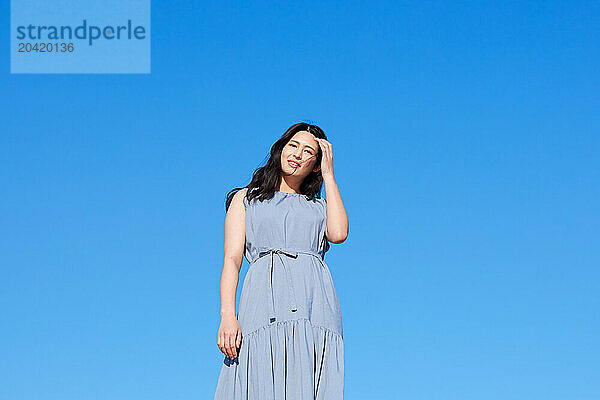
[[289, 313]]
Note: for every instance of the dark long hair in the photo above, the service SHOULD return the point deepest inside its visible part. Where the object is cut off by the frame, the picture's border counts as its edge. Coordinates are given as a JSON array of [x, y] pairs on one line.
[[266, 179]]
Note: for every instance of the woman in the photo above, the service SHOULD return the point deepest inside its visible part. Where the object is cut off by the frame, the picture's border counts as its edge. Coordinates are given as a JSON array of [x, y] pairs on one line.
[[286, 341]]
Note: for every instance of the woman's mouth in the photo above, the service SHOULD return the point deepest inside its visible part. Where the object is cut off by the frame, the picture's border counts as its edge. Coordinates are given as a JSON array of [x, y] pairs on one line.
[[293, 164]]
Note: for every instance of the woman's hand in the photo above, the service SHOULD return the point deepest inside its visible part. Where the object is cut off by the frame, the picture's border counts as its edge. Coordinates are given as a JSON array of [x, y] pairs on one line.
[[229, 337], [326, 158]]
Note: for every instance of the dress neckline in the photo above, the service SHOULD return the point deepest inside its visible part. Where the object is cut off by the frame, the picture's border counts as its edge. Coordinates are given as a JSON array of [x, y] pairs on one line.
[[293, 194]]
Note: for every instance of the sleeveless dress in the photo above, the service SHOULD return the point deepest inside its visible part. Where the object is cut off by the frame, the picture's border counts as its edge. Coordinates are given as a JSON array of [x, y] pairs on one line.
[[289, 313]]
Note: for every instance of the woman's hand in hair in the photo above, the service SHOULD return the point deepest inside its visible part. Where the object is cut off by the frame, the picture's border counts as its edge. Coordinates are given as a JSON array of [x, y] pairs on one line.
[[326, 158]]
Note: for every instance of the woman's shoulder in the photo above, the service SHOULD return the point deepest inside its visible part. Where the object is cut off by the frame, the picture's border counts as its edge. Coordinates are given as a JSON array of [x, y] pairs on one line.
[[320, 200], [321, 205], [240, 198]]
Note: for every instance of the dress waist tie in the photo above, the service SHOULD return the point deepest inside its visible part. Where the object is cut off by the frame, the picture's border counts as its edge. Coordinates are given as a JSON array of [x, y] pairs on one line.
[[280, 253]]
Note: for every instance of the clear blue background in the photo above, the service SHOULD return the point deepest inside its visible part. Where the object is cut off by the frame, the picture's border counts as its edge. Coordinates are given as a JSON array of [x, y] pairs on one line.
[[465, 140]]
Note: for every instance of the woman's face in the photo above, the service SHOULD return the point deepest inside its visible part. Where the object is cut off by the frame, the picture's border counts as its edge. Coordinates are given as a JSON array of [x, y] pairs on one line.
[[299, 155]]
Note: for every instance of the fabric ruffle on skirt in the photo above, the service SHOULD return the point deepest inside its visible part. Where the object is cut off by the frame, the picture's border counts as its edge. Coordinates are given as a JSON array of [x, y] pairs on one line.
[[291, 360]]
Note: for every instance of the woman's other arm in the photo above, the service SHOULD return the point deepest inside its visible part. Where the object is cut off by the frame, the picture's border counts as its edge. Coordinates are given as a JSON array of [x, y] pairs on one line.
[[229, 337]]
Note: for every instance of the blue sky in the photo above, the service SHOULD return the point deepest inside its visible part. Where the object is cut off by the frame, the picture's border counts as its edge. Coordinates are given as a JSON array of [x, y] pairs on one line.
[[465, 141]]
